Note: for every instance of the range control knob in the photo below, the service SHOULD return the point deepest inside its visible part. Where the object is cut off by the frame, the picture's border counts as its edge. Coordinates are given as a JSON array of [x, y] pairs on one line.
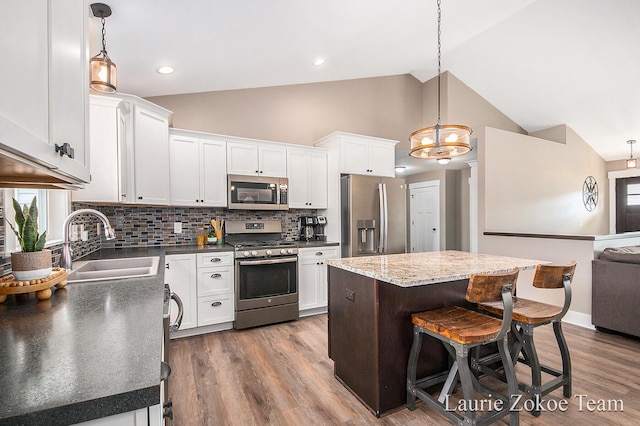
[[290, 251], [269, 252], [283, 251], [254, 253], [246, 254]]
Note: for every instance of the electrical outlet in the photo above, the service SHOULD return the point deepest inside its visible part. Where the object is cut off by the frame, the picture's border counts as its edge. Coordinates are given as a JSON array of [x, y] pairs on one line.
[[177, 227], [74, 232], [98, 228]]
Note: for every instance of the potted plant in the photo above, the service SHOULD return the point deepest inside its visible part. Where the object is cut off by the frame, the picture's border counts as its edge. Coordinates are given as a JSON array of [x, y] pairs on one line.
[[33, 262]]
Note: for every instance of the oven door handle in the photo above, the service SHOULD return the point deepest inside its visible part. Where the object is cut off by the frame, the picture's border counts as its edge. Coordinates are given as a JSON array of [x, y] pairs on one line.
[[269, 261], [176, 325]]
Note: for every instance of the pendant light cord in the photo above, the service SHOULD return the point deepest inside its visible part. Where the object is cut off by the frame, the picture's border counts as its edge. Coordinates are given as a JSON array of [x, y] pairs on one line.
[[439, 57]]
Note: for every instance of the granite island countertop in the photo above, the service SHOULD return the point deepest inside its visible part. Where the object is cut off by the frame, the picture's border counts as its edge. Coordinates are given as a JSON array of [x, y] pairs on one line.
[[415, 269], [92, 350]]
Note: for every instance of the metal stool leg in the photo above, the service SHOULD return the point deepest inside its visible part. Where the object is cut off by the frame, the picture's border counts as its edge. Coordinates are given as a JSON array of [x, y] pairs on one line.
[[512, 382], [532, 360], [466, 380], [412, 366], [566, 359]]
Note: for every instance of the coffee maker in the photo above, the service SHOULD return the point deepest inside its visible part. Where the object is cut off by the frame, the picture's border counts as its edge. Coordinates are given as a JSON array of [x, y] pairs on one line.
[[311, 228]]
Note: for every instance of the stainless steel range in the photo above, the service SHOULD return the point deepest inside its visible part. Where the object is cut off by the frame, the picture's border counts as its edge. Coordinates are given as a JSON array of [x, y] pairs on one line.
[[266, 273]]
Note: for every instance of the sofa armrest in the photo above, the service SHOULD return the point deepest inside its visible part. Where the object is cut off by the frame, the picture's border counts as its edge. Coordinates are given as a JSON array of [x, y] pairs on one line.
[[615, 296]]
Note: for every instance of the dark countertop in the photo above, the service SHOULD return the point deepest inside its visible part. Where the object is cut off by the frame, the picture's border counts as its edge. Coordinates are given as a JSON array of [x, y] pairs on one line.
[[92, 350], [305, 244]]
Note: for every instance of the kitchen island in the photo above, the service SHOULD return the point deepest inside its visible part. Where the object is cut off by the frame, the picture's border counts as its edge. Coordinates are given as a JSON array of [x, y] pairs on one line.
[[371, 300]]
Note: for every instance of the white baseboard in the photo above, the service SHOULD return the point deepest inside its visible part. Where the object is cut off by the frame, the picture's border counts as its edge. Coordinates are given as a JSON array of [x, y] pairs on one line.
[[579, 319]]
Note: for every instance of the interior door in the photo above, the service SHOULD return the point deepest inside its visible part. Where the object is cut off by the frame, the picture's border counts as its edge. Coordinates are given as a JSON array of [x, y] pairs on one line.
[[424, 206]]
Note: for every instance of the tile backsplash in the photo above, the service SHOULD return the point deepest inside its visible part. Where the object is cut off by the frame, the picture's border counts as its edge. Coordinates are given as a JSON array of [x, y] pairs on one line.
[[143, 226]]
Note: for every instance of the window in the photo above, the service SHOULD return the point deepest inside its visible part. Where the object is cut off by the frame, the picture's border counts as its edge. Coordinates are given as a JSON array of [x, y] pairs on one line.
[[53, 208], [633, 194]]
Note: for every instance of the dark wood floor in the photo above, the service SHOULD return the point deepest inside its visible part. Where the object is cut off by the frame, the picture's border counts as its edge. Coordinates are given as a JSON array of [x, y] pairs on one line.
[[281, 375]]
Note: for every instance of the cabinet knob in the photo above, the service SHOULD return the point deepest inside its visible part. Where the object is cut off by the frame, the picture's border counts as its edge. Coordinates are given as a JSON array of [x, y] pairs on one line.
[[65, 149], [257, 171], [166, 266], [215, 304], [216, 259], [124, 195], [197, 201], [202, 201], [261, 171], [216, 275]]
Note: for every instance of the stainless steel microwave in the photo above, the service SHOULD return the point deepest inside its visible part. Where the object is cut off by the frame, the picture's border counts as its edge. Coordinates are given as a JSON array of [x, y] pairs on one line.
[[258, 193]]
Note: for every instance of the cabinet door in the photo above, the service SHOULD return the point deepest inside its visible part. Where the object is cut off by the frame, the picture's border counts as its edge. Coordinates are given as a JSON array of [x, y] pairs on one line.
[[180, 274], [151, 152], [44, 93], [213, 173], [242, 159], [354, 156], [69, 85], [317, 180], [308, 284], [184, 175], [382, 159], [298, 175], [272, 161]]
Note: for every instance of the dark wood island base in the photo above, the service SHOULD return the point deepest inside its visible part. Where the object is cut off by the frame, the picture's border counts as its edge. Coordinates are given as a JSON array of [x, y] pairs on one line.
[[370, 334]]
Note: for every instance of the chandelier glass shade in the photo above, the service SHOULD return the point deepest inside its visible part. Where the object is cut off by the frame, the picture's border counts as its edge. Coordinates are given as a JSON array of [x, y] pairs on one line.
[[632, 163]]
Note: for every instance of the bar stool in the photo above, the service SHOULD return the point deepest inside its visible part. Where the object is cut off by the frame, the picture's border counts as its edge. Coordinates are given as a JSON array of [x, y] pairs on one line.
[[460, 330], [527, 315]]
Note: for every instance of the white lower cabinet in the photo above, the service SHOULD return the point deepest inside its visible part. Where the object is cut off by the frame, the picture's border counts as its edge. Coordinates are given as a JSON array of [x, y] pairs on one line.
[[205, 283], [312, 283], [180, 274], [142, 417]]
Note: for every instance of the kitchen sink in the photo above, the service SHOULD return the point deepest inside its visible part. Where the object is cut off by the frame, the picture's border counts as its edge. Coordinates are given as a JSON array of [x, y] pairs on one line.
[[111, 269]]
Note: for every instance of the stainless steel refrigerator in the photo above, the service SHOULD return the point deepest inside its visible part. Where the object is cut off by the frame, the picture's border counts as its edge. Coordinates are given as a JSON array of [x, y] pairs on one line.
[[373, 215]]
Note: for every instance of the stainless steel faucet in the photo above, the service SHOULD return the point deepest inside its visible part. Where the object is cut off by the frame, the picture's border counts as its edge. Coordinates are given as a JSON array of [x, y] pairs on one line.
[[65, 258]]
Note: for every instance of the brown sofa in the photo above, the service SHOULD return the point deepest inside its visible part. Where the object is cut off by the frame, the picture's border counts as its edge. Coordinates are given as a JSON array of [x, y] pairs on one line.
[[616, 290]]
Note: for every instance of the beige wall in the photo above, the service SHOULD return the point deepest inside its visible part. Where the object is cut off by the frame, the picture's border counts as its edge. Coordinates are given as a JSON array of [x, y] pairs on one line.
[[386, 107], [533, 185]]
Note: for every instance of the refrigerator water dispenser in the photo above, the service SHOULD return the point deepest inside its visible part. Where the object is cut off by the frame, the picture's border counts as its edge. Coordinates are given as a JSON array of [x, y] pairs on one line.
[[366, 236]]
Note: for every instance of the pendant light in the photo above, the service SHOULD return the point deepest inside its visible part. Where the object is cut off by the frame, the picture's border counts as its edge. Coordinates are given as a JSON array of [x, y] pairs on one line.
[[632, 163], [103, 70], [441, 141]]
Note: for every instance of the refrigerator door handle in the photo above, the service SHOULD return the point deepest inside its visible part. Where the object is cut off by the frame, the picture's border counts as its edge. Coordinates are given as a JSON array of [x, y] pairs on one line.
[[386, 219], [381, 218]]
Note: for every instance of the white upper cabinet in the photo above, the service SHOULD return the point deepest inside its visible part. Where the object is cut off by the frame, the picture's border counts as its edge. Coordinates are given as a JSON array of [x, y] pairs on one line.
[[130, 151], [307, 174], [151, 155], [198, 170], [256, 159], [45, 84], [362, 155]]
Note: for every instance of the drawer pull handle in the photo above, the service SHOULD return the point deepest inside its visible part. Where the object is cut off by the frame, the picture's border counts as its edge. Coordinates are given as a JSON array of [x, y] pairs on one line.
[[215, 304], [216, 275], [319, 253], [216, 259]]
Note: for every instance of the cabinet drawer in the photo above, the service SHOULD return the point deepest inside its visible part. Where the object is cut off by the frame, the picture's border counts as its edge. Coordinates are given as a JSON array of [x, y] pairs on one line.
[[328, 252], [224, 258], [214, 281], [215, 310]]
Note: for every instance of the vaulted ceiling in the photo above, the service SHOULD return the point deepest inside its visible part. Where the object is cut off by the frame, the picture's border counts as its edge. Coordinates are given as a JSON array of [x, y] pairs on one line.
[[541, 62]]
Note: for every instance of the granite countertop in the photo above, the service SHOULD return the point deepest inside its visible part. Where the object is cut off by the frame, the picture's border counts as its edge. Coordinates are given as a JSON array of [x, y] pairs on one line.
[[92, 350], [414, 269]]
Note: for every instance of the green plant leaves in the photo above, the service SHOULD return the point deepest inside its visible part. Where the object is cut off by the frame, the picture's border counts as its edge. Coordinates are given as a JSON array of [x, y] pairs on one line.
[[26, 228]]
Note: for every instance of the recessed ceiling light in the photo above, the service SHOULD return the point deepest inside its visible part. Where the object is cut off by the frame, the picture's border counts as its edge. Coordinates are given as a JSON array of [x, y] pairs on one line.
[[318, 62], [166, 70]]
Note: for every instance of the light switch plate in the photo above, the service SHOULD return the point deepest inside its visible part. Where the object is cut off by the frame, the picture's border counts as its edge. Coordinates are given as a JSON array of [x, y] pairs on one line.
[[177, 227]]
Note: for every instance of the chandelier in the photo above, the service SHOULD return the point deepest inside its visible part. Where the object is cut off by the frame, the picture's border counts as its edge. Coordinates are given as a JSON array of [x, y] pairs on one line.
[[442, 141]]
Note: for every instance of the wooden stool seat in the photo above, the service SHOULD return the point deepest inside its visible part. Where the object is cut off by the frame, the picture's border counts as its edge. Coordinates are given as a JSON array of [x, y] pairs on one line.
[[459, 324], [461, 330], [526, 311]]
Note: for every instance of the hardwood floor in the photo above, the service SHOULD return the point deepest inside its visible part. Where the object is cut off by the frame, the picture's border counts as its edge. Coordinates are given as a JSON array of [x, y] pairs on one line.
[[281, 375]]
